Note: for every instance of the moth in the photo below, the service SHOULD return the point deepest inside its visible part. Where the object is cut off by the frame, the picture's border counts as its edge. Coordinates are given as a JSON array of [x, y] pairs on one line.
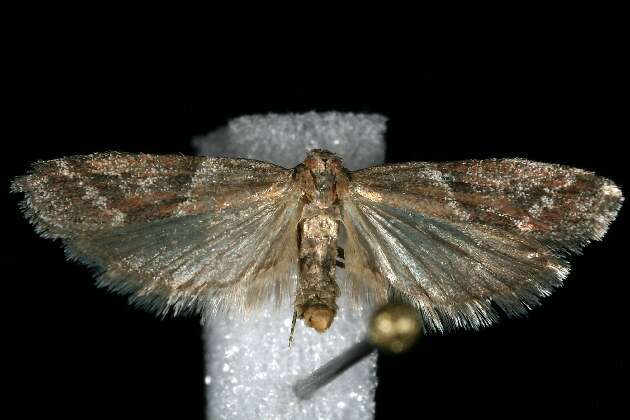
[[460, 241]]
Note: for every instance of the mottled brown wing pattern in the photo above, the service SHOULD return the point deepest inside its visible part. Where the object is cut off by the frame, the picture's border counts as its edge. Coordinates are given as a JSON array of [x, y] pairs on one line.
[[80, 194], [559, 205], [452, 238], [176, 232]]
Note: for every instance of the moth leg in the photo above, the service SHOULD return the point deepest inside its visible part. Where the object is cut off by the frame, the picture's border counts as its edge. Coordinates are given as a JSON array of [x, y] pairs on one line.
[[340, 253], [292, 328], [340, 257]]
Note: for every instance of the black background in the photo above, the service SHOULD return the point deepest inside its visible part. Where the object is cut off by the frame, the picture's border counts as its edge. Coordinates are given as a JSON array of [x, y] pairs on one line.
[[139, 84]]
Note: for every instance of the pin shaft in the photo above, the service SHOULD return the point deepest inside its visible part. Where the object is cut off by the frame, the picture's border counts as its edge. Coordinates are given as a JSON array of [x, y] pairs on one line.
[[305, 388]]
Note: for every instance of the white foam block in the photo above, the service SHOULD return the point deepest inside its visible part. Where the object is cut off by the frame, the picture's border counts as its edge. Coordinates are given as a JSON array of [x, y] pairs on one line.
[[250, 370]]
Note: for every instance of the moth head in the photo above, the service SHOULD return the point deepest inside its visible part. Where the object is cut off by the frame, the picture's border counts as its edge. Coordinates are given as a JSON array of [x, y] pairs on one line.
[[319, 161]]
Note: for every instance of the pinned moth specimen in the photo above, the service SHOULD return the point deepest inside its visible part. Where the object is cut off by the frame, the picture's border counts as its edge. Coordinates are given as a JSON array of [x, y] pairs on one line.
[[456, 240]]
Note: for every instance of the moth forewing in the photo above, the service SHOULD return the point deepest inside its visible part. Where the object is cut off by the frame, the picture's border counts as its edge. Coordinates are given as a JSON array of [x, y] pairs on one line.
[[455, 237], [176, 233]]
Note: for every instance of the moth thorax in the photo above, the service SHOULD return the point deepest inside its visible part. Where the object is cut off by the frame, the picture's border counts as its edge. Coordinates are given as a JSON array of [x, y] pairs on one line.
[[317, 176]]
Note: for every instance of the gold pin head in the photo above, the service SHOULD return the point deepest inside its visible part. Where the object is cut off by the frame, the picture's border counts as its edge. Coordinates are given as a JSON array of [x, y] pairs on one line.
[[395, 328]]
